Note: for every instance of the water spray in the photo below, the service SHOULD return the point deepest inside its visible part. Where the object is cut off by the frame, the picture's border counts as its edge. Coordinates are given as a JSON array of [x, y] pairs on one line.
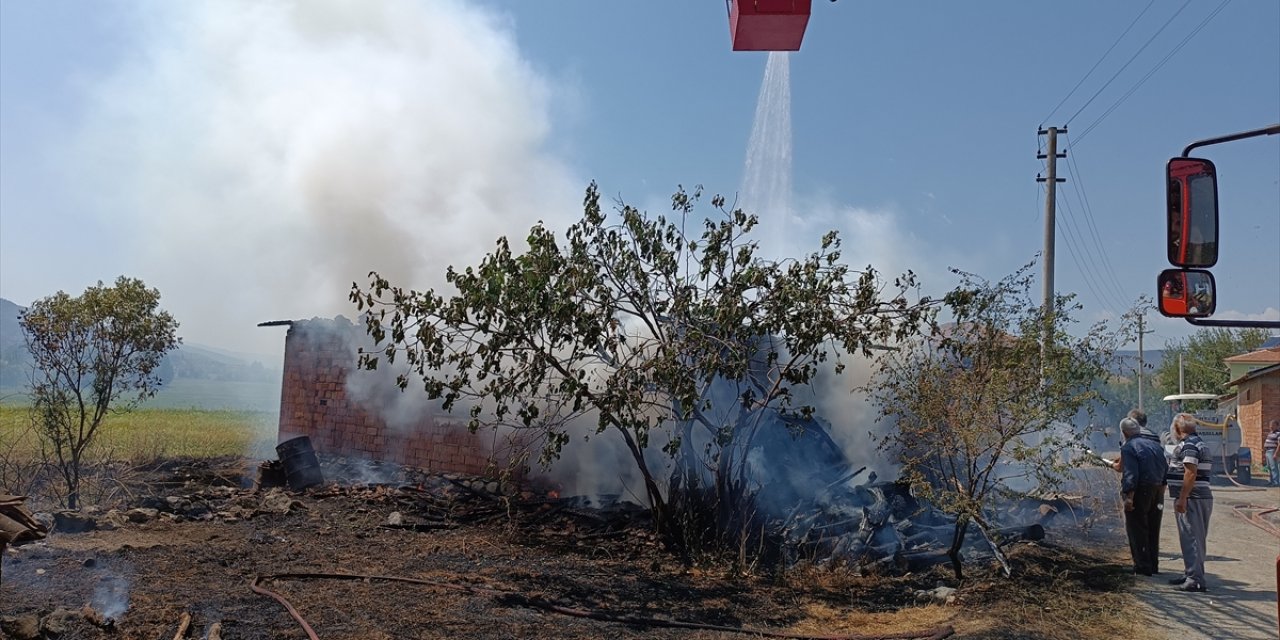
[[1094, 458]]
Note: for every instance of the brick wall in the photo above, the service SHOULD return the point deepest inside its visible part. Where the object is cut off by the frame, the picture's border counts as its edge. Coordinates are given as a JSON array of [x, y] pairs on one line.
[[1259, 404], [317, 401]]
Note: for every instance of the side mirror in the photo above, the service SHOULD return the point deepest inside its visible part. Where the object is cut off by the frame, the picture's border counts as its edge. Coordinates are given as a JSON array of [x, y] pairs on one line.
[[1186, 293], [1192, 212]]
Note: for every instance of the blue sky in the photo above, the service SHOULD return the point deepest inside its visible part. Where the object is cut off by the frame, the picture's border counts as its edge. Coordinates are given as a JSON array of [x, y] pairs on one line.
[[251, 161]]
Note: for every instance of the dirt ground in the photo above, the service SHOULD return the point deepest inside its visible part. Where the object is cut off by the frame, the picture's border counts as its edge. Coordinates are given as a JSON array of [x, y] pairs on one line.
[[1240, 568], [511, 568]]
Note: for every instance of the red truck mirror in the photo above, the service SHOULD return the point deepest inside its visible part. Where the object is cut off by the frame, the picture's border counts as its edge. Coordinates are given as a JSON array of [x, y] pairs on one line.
[[1192, 212], [1186, 293]]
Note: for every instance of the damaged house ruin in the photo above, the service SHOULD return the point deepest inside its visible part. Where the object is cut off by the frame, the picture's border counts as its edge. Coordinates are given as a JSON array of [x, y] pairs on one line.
[[803, 494], [347, 411]]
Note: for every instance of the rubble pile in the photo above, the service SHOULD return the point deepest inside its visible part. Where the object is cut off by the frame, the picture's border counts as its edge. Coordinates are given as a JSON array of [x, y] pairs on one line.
[[882, 525]]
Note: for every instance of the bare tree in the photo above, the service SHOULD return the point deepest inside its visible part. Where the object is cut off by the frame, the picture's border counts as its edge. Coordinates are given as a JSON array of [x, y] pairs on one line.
[[981, 407]]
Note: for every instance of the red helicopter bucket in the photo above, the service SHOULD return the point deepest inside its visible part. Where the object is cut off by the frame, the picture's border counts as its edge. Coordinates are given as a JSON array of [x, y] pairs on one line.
[[768, 25]]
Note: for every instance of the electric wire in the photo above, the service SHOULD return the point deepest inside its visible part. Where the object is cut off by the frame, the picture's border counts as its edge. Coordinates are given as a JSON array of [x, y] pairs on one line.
[[1113, 299], [1114, 293], [1095, 65], [1085, 274], [1152, 72], [1079, 252], [1129, 61], [1077, 181]]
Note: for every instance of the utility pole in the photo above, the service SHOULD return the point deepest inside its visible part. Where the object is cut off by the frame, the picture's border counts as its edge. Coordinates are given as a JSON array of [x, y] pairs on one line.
[[1142, 363], [1051, 181], [1181, 390]]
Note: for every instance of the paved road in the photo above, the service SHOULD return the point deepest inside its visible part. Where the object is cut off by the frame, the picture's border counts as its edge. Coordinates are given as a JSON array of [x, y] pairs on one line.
[[1241, 602]]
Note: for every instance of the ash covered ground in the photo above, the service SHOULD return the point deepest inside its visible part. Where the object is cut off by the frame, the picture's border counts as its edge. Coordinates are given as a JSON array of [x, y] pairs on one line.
[[193, 535]]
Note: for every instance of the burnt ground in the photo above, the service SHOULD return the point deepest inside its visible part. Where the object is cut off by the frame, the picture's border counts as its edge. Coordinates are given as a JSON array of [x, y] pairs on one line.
[[501, 566]]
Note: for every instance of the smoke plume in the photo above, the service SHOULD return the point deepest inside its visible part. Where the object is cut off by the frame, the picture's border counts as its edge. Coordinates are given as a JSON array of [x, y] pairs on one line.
[[267, 155]]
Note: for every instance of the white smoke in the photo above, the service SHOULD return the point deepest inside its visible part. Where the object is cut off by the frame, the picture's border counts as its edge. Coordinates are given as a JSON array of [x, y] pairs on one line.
[[598, 466], [111, 595], [266, 155]]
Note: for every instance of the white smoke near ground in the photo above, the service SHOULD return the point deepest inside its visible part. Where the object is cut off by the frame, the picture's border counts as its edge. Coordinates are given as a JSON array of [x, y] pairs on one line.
[[876, 239], [378, 389], [111, 595], [592, 465], [598, 466], [266, 155]]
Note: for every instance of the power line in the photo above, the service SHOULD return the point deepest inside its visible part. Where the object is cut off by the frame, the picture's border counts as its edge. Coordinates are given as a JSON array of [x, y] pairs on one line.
[[1088, 283], [1095, 65], [1129, 61], [1073, 232], [1068, 235], [1079, 249], [1152, 72], [1077, 180], [1073, 237]]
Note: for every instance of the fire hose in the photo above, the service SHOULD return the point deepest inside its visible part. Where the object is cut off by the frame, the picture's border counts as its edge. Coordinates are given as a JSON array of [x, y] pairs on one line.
[[1253, 515], [1224, 426], [253, 584], [512, 597]]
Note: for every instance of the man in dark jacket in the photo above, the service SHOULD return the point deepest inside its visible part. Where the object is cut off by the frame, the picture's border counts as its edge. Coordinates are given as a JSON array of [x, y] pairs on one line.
[[1142, 480]]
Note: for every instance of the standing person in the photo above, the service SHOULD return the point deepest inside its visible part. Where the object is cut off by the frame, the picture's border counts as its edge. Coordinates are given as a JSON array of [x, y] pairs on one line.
[[1142, 482], [1188, 479], [1271, 454], [1139, 416]]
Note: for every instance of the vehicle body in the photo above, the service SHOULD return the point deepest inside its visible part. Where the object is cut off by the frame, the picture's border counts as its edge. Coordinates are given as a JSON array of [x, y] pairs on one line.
[[1219, 429]]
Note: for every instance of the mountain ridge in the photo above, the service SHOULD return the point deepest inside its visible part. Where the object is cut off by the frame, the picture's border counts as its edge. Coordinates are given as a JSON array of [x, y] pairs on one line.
[[193, 375]]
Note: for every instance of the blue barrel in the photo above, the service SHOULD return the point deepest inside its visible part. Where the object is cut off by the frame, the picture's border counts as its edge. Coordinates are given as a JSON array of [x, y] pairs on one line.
[[301, 468], [1244, 466]]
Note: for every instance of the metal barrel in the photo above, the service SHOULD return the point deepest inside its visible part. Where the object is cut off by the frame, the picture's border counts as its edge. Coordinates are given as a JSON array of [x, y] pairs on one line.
[[301, 468]]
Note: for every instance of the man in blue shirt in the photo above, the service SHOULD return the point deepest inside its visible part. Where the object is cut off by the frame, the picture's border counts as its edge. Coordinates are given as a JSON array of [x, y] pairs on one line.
[[1271, 454], [1188, 478], [1142, 481]]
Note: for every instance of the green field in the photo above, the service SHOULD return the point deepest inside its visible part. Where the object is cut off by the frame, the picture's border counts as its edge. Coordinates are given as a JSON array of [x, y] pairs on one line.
[[188, 393], [152, 433]]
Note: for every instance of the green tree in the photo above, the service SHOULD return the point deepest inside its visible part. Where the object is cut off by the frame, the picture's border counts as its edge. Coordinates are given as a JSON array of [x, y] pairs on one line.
[[628, 322], [1118, 391], [92, 354], [1116, 396], [1202, 354], [978, 407]]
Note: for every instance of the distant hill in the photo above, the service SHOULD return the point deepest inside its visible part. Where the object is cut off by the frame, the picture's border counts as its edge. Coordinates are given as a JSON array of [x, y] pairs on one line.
[[13, 351], [194, 375], [1127, 361], [10, 330]]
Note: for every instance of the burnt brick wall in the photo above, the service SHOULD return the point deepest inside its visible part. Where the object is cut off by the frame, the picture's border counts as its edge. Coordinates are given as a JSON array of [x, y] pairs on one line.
[[316, 401]]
